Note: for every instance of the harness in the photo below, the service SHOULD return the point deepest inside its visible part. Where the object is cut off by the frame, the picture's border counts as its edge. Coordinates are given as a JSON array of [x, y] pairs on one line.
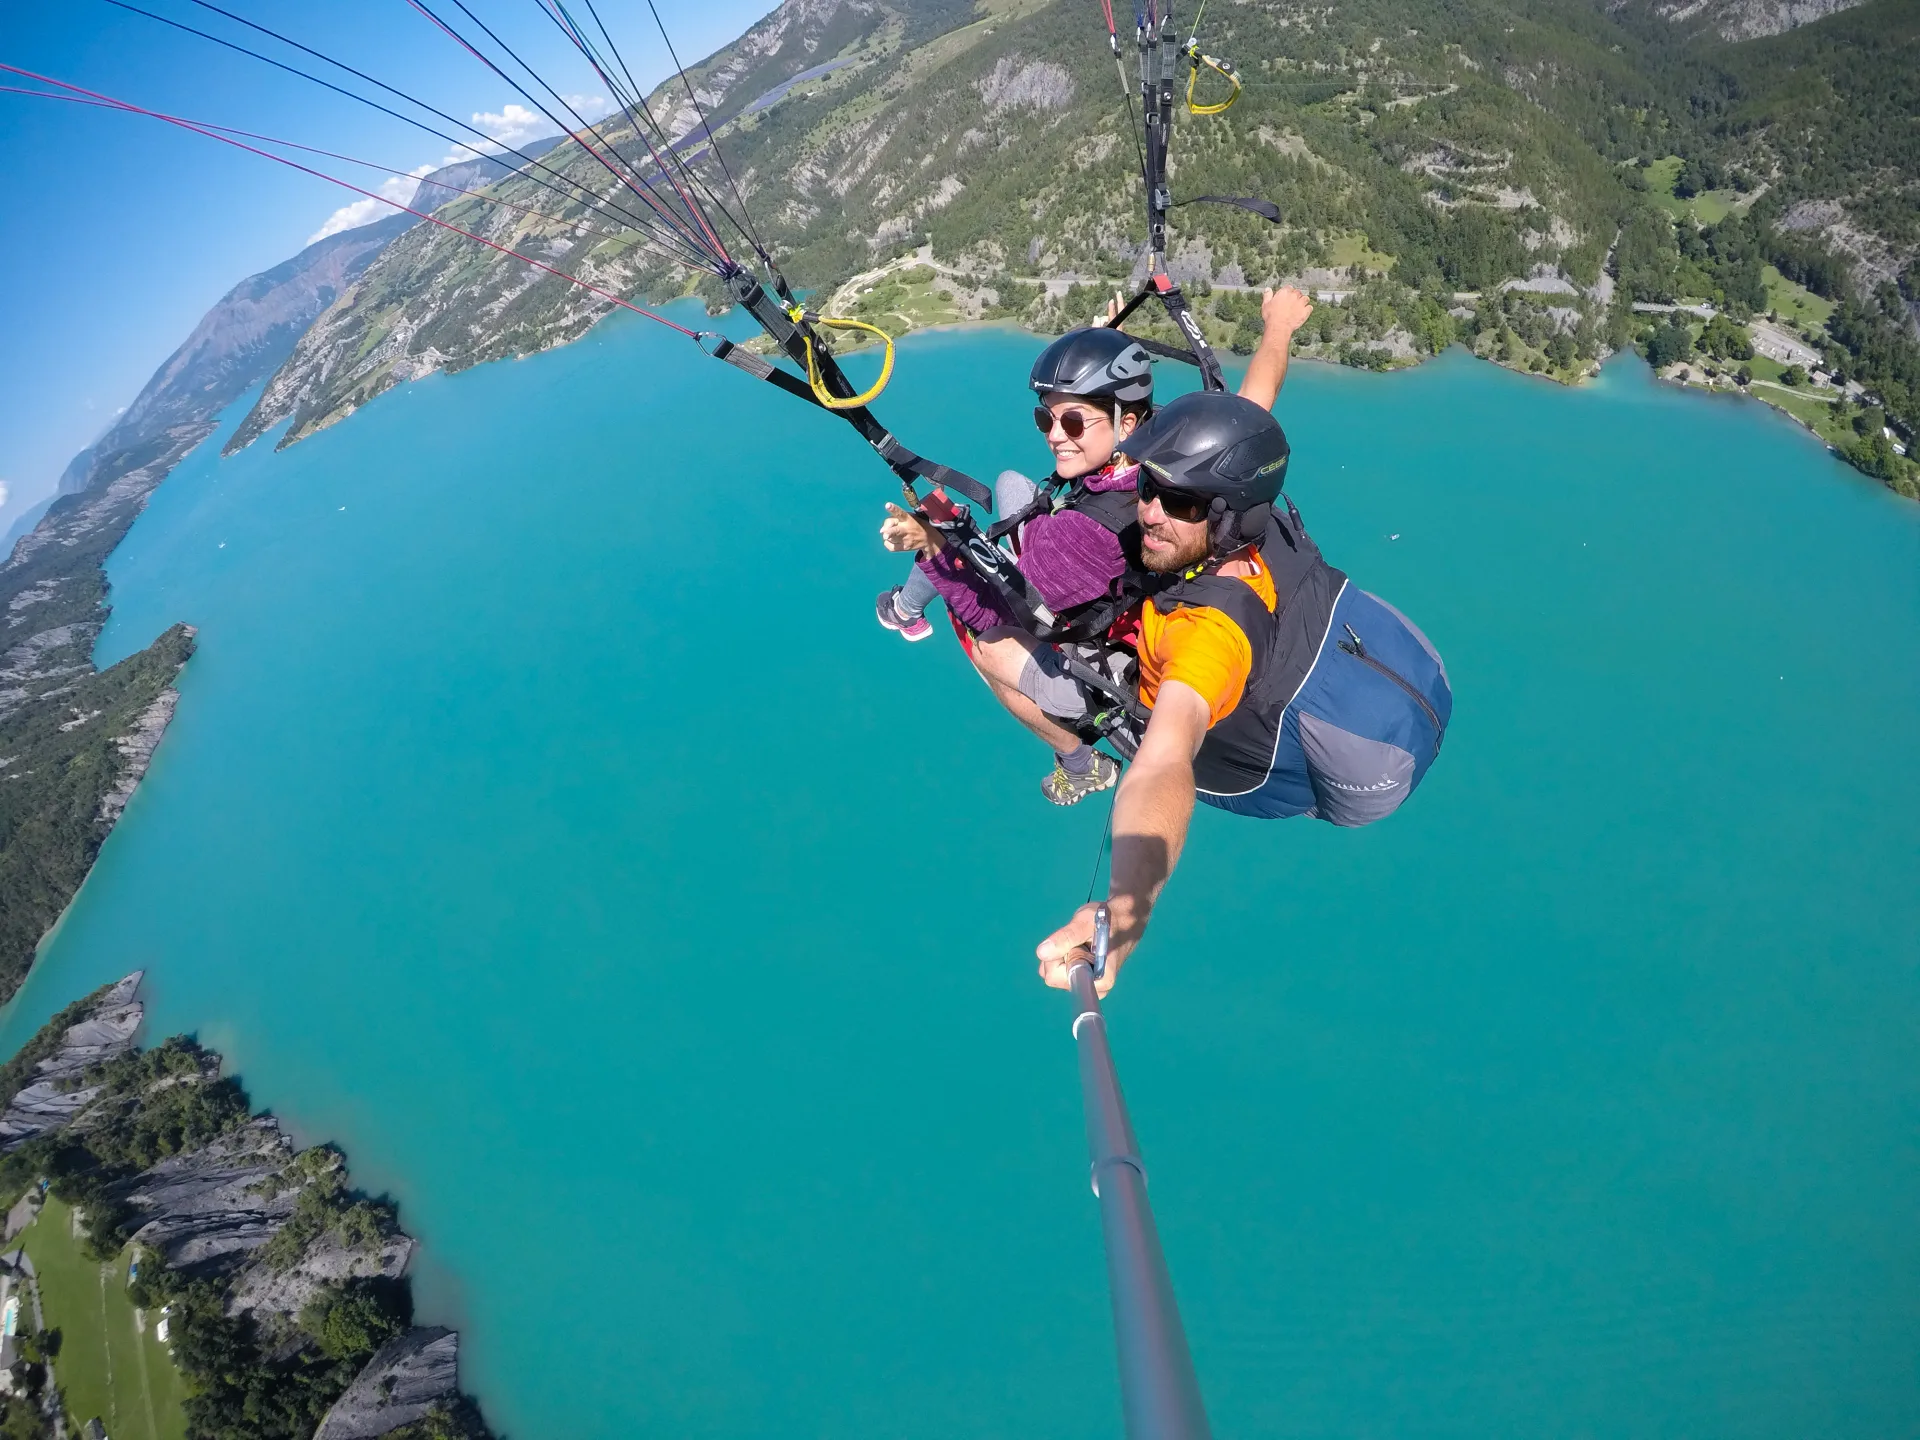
[[1238, 752]]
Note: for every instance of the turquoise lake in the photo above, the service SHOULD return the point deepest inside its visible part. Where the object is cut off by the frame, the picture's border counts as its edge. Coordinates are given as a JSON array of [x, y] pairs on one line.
[[547, 822]]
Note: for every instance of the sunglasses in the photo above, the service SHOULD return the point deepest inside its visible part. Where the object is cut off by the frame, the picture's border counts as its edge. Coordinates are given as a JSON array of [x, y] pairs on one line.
[[1174, 504], [1073, 422]]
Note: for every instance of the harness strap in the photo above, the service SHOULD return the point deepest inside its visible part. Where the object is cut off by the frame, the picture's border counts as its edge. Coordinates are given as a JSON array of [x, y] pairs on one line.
[[1128, 701], [827, 386], [1199, 353], [905, 462]]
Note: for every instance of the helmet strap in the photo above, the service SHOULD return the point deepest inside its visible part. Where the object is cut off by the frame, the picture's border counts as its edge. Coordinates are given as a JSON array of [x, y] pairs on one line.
[[1232, 530]]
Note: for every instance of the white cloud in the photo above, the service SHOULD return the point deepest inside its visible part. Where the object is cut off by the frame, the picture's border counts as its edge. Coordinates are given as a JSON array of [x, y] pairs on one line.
[[398, 188], [3, 494], [591, 107], [512, 125]]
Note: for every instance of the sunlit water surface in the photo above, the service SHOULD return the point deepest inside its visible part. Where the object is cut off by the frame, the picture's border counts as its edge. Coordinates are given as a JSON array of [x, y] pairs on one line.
[[547, 822]]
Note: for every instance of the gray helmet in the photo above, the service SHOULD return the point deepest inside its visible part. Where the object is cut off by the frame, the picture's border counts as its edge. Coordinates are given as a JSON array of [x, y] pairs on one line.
[[1214, 444], [1099, 362]]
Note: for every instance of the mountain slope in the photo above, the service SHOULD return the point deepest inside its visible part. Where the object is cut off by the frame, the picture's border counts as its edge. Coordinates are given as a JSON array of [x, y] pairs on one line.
[[244, 337], [1447, 172]]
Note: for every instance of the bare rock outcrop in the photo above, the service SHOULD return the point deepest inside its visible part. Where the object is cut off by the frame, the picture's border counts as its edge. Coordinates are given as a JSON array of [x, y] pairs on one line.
[[136, 747], [1748, 19], [210, 1208], [261, 1288], [1034, 85], [406, 1378], [52, 1100]]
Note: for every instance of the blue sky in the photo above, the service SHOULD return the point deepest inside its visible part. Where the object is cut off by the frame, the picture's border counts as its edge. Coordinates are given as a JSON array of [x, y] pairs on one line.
[[119, 232]]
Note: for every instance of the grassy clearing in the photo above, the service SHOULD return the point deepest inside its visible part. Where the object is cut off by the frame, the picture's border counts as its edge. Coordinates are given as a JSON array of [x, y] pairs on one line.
[[1660, 176], [1710, 207], [907, 300], [1354, 249], [1794, 302], [106, 1367], [1816, 413]]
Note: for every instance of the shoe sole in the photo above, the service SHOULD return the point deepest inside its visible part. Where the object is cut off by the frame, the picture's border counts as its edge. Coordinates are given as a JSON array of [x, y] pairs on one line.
[[899, 628]]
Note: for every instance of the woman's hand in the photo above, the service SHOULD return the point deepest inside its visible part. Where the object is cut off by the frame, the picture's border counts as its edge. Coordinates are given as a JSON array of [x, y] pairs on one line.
[[903, 530]]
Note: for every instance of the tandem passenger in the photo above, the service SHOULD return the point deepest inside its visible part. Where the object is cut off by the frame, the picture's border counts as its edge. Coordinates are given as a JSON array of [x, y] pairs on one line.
[[1077, 534]]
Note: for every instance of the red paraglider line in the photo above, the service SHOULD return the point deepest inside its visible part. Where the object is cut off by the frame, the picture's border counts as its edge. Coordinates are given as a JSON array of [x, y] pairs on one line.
[[349, 185]]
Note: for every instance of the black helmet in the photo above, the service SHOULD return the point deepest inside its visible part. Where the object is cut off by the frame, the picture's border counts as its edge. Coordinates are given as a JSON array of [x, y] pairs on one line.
[[1221, 446], [1209, 443], [1098, 362]]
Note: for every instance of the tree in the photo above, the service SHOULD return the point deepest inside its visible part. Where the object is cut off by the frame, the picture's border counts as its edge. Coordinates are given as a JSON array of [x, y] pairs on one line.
[[1669, 344], [1875, 455], [1725, 340], [352, 1321], [1646, 260], [1796, 376]]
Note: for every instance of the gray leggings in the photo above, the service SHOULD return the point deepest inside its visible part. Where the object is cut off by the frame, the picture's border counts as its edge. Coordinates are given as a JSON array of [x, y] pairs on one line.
[[1011, 492]]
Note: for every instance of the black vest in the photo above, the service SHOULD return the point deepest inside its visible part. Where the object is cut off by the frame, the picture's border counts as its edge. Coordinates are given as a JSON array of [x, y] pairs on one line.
[[1239, 752]]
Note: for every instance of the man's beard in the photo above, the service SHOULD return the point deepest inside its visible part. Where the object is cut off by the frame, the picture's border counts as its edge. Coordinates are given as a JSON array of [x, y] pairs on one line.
[[1165, 562]]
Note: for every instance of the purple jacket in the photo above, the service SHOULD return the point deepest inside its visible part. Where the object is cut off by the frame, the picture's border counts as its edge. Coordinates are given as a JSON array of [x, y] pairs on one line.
[[1069, 558]]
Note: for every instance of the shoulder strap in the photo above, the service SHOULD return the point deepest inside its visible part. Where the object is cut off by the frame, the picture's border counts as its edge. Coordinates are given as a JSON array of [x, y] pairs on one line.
[[1235, 598], [1117, 511], [1041, 504]]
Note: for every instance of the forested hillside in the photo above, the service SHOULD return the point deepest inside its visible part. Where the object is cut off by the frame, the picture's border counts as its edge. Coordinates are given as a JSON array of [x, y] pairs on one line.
[[1515, 175]]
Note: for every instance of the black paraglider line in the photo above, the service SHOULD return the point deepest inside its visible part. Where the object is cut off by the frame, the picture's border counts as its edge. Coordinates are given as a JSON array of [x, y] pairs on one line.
[[479, 195], [591, 199], [700, 111], [634, 107], [718, 256], [196, 129]]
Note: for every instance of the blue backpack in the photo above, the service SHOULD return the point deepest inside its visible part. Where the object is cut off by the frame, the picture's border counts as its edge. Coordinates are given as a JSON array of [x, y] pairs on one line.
[[1347, 703]]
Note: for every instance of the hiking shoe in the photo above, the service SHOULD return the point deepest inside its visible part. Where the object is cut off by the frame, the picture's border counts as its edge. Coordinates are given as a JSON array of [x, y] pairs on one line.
[[1063, 787], [888, 614]]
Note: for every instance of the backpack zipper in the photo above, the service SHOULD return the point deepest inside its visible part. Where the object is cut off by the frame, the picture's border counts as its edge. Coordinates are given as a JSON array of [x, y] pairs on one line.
[[1357, 648]]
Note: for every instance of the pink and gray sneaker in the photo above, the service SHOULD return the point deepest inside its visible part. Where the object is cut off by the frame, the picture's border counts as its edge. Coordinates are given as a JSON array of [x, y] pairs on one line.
[[887, 611]]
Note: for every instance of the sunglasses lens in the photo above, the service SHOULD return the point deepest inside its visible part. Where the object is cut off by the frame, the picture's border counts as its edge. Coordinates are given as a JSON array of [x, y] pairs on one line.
[[1071, 422], [1173, 504]]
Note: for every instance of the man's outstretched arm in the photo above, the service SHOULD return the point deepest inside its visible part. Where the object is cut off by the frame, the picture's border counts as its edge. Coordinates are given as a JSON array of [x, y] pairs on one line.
[[1151, 813], [1281, 313]]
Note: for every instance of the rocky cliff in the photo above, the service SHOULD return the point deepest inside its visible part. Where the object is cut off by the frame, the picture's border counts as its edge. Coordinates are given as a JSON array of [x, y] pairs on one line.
[[74, 743], [1747, 19], [943, 160], [244, 1234]]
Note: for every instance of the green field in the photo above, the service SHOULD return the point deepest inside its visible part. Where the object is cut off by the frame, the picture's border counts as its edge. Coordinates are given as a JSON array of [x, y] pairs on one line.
[[1709, 207], [1794, 302], [1354, 248], [105, 1367]]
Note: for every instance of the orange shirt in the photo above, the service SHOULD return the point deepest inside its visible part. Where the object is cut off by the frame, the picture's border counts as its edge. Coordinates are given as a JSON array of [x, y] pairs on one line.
[[1200, 648]]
